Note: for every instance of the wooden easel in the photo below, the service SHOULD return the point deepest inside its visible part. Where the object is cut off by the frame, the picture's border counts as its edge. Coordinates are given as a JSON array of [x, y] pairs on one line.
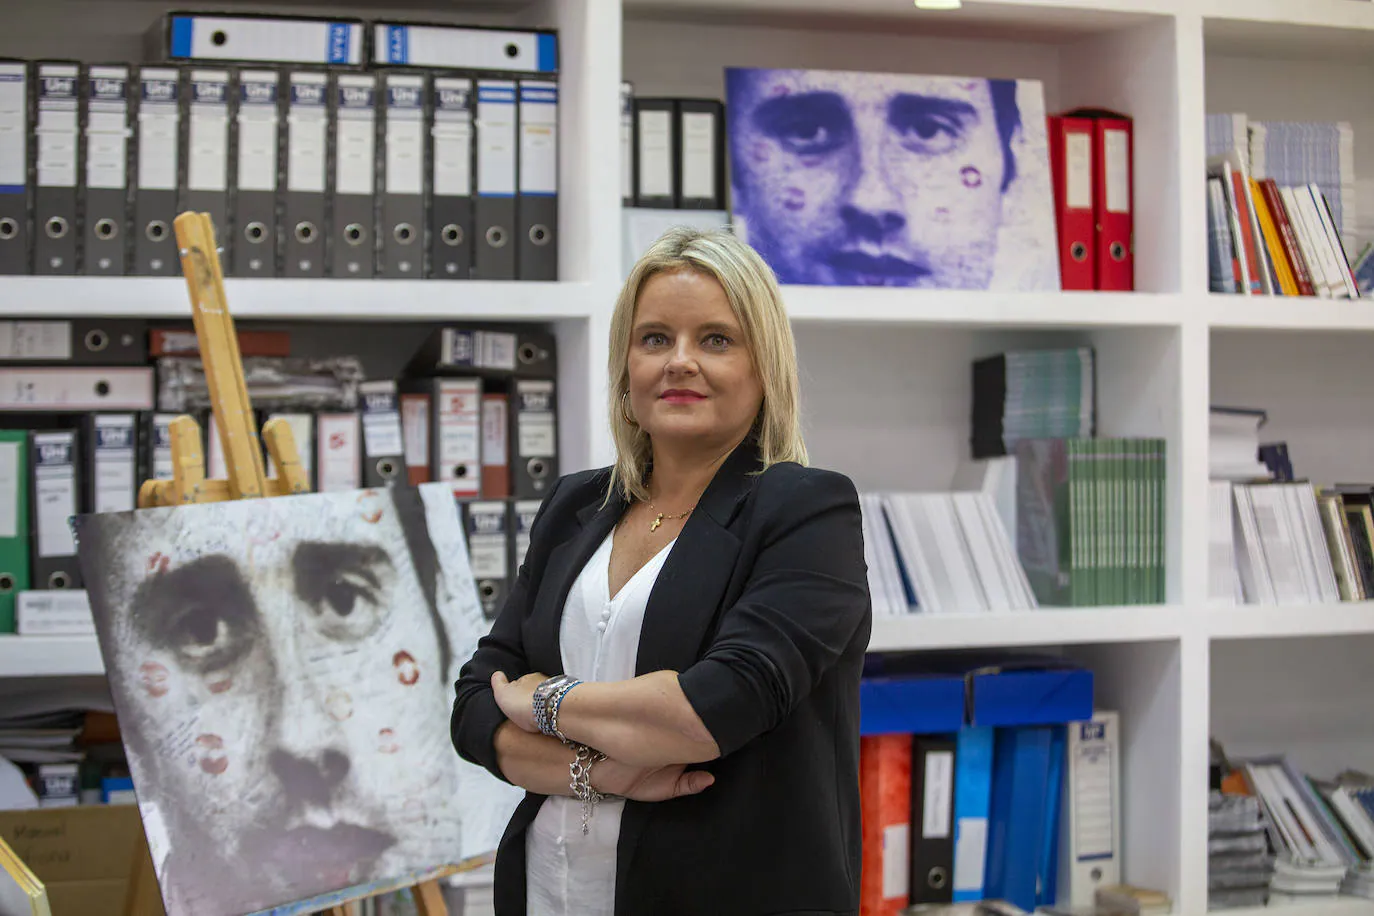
[[247, 478]]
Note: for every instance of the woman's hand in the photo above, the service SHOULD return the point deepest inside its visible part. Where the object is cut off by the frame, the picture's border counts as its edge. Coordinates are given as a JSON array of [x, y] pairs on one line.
[[653, 784], [516, 698]]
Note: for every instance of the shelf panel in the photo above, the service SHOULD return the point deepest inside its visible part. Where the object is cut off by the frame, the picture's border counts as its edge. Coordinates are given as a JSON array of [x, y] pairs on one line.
[[1331, 906], [961, 308], [1267, 622], [50, 656], [1289, 313], [1020, 20], [1283, 29], [308, 299], [920, 632]]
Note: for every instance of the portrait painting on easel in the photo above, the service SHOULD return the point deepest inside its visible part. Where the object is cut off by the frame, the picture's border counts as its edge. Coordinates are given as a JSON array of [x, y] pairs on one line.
[[282, 670], [845, 178]]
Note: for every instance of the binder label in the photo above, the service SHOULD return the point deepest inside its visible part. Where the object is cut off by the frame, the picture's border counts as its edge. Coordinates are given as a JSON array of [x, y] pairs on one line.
[[535, 420], [397, 44], [938, 802], [10, 488], [496, 139], [114, 463], [57, 126], [896, 861], [339, 455], [60, 612], [538, 138], [208, 162], [14, 172], [340, 41], [355, 137], [478, 349], [405, 133], [460, 424], [452, 137], [655, 154], [1078, 171], [55, 491], [699, 155], [381, 424], [162, 446], [487, 540], [257, 123], [107, 128], [494, 432], [307, 124], [157, 130], [37, 340], [1117, 155]]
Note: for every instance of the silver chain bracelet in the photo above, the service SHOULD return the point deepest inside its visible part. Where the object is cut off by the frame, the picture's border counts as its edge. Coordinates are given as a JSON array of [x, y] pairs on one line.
[[581, 784]]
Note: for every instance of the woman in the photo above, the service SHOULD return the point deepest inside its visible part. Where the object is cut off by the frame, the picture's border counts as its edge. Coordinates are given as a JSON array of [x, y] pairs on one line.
[[710, 593]]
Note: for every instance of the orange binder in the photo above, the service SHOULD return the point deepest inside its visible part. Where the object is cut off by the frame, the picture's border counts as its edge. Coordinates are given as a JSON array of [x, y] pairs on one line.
[[885, 803], [1071, 163]]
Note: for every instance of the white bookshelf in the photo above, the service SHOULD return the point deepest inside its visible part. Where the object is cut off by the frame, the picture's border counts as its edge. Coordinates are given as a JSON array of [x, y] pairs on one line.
[[886, 372]]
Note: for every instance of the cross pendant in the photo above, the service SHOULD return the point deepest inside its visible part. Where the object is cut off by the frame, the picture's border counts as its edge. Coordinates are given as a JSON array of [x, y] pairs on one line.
[[653, 526]]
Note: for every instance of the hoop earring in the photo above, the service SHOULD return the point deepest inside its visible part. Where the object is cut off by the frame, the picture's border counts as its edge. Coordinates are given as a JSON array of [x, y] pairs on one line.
[[625, 409]]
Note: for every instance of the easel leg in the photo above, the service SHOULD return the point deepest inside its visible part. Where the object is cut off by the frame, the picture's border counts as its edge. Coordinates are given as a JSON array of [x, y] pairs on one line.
[[429, 899]]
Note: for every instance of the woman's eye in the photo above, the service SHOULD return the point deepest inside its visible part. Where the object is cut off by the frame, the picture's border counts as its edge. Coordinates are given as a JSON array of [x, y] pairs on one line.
[[718, 341], [655, 340]]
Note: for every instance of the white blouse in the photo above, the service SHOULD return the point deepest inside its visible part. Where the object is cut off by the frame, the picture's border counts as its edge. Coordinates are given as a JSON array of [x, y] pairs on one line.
[[565, 872]]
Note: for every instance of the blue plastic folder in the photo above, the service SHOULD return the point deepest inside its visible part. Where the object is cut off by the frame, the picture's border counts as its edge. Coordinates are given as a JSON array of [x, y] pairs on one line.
[[926, 695]]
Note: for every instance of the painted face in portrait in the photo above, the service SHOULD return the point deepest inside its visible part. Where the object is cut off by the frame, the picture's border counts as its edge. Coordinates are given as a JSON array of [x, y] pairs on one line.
[[282, 676], [870, 179]]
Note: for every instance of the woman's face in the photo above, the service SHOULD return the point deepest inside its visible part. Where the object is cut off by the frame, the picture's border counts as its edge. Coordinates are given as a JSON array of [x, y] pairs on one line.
[[692, 378]]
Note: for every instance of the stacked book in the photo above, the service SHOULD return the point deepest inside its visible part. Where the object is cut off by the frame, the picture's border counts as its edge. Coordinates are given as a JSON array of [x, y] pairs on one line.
[[1313, 852], [1292, 543], [1090, 520], [939, 553], [1239, 864], [1281, 208], [1032, 394]]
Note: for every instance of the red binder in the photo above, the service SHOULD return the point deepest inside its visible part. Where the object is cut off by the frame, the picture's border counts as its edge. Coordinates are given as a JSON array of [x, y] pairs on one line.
[[1113, 203], [1071, 162]]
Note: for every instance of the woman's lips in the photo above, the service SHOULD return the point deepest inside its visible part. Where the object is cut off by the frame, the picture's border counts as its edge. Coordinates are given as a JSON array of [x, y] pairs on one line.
[[682, 397]]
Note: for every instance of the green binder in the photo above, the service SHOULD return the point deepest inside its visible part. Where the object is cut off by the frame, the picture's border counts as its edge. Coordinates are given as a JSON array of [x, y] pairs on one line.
[[14, 522]]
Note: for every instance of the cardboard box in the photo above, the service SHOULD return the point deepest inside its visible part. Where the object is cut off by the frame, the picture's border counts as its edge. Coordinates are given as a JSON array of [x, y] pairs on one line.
[[84, 856]]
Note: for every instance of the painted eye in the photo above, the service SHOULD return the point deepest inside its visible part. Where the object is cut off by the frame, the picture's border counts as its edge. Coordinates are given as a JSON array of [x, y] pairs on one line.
[[348, 607]]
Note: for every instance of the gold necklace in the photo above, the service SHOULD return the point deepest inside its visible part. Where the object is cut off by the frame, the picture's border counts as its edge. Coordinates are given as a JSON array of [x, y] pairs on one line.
[[658, 519]]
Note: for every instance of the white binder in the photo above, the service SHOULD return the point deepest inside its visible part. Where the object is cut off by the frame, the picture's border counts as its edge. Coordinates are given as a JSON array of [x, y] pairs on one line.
[[262, 39], [1090, 833], [455, 47], [67, 389]]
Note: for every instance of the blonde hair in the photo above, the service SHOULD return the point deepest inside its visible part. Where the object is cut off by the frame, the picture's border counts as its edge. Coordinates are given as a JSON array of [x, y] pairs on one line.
[[754, 297]]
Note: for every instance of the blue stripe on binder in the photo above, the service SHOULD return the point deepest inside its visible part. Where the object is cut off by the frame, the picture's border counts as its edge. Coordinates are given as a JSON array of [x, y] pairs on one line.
[[340, 37], [547, 48], [397, 44], [11, 189], [183, 28], [495, 94]]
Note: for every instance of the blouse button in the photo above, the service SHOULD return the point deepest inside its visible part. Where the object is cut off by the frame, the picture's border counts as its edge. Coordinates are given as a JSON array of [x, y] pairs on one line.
[[601, 627]]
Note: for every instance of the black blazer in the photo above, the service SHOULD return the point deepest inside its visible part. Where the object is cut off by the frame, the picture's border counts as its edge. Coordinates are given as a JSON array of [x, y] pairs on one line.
[[763, 609]]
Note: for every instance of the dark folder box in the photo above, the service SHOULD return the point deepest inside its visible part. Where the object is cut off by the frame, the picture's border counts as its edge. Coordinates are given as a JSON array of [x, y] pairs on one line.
[[933, 696]]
